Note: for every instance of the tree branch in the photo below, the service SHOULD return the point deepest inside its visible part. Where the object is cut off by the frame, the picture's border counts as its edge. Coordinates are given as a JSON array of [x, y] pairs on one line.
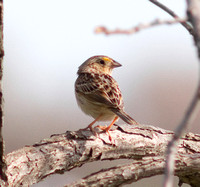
[[64, 152], [174, 15], [177, 19], [104, 30], [2, 163], [194, 16], [124, 174], [186, 167]]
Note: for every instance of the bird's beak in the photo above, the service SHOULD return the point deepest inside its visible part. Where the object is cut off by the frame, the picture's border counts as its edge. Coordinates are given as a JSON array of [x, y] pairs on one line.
[[116, 64]]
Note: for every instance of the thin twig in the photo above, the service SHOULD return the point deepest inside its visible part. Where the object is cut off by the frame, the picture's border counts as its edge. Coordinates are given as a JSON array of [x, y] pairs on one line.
[[193, 11], [102, 29], [172, 146], [174, 15]]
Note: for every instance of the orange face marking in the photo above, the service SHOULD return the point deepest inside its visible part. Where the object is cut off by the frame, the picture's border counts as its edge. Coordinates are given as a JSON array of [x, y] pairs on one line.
[[107, 59]]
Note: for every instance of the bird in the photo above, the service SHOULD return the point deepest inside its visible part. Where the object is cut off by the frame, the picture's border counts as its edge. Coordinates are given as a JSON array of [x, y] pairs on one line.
[[98, 94]]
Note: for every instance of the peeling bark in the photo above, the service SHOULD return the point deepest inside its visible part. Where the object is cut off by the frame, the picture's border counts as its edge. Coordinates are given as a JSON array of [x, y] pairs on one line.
[[64, 152], [147, 167]]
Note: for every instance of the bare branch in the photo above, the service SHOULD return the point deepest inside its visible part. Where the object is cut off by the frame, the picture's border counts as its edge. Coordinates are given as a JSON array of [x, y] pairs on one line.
[[104, 30], [194, 16], [172, 147], [66, 151], [147, 167], [124, 174], [2, 164], [174, 15]]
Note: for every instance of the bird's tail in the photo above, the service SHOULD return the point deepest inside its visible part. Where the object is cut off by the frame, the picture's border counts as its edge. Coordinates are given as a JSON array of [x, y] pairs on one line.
[[125, 117]]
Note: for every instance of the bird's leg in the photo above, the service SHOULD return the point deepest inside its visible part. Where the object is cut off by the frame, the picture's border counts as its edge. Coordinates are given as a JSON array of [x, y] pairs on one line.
[[90, 125], [105, 128]]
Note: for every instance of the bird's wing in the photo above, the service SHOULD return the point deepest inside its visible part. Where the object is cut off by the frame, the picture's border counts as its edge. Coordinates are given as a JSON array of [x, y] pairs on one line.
[[101, 89]]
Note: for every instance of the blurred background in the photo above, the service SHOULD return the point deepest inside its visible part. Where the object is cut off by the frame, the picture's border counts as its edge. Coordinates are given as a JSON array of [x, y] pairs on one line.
[[45, 42]]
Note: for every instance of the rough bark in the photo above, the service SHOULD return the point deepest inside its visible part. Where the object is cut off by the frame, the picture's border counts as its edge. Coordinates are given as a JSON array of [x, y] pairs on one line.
[[193, 11], [2, 164], [63, 152], [186, 167]]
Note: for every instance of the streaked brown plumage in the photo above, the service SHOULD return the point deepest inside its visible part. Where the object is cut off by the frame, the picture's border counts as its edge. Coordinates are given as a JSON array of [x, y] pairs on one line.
[[98, 94]]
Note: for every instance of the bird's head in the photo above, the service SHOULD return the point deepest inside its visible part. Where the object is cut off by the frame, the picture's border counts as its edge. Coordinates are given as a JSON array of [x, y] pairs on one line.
[[98, 64]]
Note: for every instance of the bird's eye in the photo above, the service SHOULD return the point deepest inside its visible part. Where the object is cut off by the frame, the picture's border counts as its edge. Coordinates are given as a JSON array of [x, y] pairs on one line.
[[102, 62]]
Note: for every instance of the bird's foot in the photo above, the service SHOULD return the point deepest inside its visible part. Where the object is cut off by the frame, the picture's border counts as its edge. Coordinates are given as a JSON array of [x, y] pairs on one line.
[[105, 129]]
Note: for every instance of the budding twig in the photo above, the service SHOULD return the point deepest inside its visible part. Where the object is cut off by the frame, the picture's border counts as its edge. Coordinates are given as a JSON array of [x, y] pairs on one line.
[[104, 30]]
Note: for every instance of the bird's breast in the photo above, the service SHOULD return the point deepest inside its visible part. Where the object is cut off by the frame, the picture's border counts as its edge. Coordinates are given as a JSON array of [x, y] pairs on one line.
[[94, 109]]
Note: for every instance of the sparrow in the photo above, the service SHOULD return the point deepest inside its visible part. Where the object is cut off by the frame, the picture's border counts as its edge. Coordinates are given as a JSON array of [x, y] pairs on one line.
[[98, 94]]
